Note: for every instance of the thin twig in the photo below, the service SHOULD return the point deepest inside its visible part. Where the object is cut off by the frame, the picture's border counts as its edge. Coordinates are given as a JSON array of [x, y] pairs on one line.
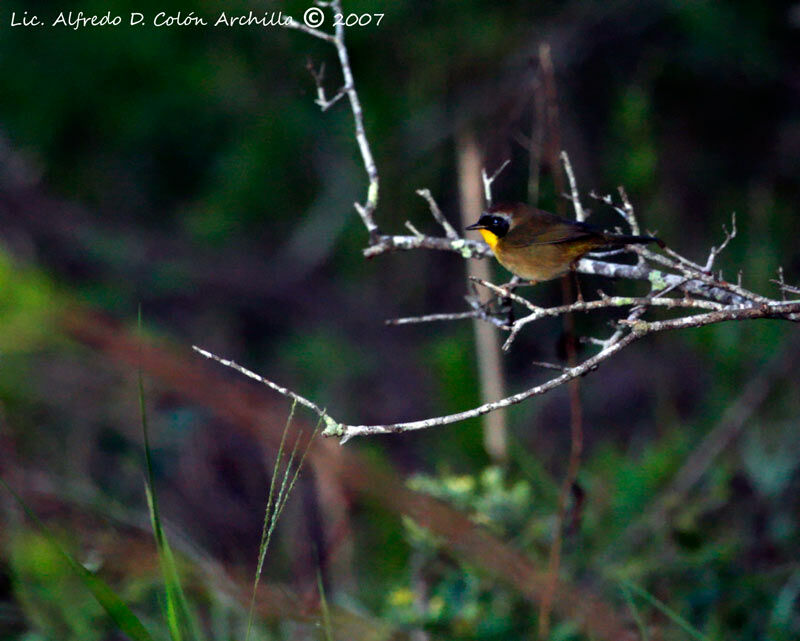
[[684, 261], [349, 431], [466, 247], [716, 251], [433, 318], [629, 213], [488, 180], [366, 210], [546, 365], [437, 214], [319, 76], [322, 35], [685, 267], [251, 374], [784, 287], [616, 302], [580, 215], [622, 339], [417, 233], [504, 292], [619, 341]]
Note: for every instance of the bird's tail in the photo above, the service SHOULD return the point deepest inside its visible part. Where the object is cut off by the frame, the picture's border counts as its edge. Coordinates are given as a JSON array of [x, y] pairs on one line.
[[619, 239]]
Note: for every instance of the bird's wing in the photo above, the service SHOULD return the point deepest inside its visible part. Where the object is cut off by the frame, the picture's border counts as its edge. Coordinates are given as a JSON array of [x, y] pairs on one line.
[[555, 230]]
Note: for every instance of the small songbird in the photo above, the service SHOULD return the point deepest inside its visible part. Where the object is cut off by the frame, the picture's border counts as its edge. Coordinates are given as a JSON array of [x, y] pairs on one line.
[[536, 245]]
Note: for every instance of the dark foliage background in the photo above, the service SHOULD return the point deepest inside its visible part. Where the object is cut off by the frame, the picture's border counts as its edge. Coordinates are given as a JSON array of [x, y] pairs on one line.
[[188, 170]]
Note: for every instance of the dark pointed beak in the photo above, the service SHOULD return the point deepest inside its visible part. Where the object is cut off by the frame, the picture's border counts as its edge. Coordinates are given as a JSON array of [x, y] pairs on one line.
[[476, 226]]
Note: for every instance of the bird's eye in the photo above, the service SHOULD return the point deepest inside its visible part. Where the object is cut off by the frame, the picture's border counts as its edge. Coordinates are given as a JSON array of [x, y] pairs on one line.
[[496, 221]]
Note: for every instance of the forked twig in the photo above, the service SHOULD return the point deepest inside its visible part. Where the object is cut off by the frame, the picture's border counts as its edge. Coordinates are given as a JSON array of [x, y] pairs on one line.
[[488, 180]]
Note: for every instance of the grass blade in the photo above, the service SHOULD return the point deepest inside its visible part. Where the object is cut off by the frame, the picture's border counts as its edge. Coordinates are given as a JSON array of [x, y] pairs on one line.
[[298, 468], [277, 501], [126, 621], [178, 613], [673, 616], [266, 530], [626, 593], [327, 626]]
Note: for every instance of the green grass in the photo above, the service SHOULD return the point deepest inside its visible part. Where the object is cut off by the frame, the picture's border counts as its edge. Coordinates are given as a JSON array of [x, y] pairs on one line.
[[125, 620], [181, 621], [673, 616], [276, 501]]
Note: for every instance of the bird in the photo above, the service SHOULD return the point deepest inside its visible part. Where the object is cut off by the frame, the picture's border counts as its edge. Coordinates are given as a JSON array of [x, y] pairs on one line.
[[536, 245]]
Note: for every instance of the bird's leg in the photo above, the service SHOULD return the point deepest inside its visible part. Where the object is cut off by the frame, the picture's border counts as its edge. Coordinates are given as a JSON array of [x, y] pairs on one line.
[[497, 305], [579, 295], [511, 285], [506, 307]]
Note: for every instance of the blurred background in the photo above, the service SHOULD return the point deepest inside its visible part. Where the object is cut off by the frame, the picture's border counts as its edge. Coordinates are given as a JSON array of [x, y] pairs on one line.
[[188, 171]]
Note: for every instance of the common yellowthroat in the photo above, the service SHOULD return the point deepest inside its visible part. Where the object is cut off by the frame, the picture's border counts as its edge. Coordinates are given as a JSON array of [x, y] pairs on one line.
[[536, 245]]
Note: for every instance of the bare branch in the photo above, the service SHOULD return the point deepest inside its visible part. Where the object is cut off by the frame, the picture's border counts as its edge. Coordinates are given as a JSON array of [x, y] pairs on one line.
[[580, 215], [619, 302], [417, 233], [349, 431], [783, 285], [467, 248], [432, 318], [715, 251], [707, 288], [628, 214], [505, 292], [686, 268], [366, 210], [251, 374], [684, 261], [293, 24], [558, 368], [607, 200], [319, 76], [327, 104], [777, 309], [437, 214], [621, 339], [635, 313], [487, 181]]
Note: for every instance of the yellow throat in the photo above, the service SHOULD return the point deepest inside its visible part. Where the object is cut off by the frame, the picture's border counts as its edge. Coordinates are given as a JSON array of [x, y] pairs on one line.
[[490, 238]]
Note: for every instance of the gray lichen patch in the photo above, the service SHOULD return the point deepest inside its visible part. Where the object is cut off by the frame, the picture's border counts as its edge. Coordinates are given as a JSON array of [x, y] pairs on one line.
[[461, 247]]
